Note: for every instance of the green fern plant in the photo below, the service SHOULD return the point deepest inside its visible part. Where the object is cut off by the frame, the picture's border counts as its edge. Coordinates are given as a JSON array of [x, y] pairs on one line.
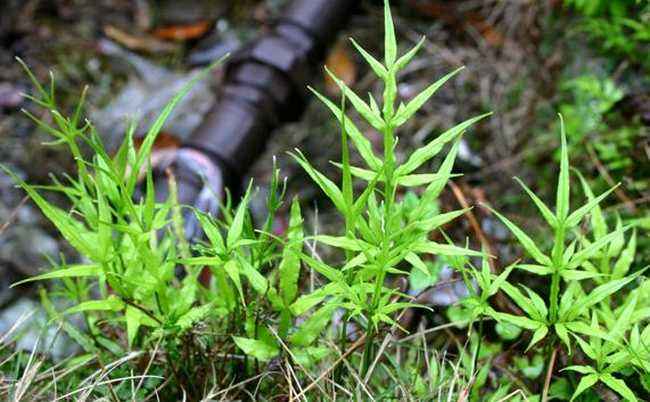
[[130, 247], [572, 261], [379, 233]]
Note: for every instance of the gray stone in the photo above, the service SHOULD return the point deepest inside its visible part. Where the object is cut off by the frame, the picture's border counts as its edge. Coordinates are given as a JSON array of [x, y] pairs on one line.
[[33, 330]]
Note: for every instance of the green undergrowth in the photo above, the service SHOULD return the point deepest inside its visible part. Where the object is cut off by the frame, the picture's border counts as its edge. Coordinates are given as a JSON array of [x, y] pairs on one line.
[[618, 28], [276, 320]]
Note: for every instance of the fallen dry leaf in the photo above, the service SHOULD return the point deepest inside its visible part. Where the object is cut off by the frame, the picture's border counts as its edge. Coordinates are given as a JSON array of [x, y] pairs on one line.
[[142, 42], [341, 64], [182, 32], [457, 19], [164, 140]]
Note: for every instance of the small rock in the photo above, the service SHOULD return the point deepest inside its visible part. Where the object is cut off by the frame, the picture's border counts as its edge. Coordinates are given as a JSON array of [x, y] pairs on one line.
[[34, 330], [8, 276], [146, 94], [26, 245], [10, 95], [447, 291]]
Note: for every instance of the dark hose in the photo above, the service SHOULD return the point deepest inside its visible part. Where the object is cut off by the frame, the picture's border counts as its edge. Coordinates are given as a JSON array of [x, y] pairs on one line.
[[264, 87]]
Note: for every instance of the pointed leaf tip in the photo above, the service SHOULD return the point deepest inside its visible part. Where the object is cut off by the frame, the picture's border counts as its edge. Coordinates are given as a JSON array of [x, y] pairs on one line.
[[390, 42]]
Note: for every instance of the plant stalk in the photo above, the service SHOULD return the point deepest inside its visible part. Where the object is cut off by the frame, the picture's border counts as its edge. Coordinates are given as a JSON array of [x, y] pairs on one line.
[[549, 375], [557, 255]]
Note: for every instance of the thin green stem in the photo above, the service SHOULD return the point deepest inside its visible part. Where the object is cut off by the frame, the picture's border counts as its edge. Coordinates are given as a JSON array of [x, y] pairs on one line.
[[389, 195], [368, 352], [389, 199], [556, 257]]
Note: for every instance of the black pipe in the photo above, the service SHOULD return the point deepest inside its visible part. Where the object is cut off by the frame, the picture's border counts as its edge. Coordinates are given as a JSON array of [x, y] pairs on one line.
[[264, 87]]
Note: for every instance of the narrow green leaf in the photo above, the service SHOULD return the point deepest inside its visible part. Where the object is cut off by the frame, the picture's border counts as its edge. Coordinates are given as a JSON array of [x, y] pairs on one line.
[[362, 107], [431, 247], [322, 268], [328, 187], [260, 350], [406, 58], [546, 212], [355, 261], [434, 189], [237, 225], [39, 88], [147, 144], [416, 262], [596, 295], [404, 114], [522, 301], [132, 316], [562, 202], [104, 232], [311, 329], [376, 66], [589, 251], [365, 174], [73, 271], [597, 219], [421, 155], [624, 321], [72, 231], [539, 334], [417, 180], [585, 383], [524, 240], [85, 341], [579, 327], [618, 242], [343, 242], [589, 351], [233, 270], [578, 275], [112, 303], [412, 180], [563, 334], [499, 280], [346, 185], [195, 314], [307, 357], [430, 224], [211, 231], [536, 269], [619, 386], [580, 369], [575, 218], [362, 144], [390, 43], [392, 307], [305, 302], [538, 302], [289, 268], [255, 278], [520, 321], [209, 261], [622, 265], [150, 198]]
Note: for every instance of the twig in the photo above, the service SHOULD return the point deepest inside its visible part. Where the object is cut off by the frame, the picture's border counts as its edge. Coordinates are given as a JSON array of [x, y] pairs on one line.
[[549, 374], [90, 387], [347, 353], [146, 370], [501, 300], [610, 181], [13, 215], [144, 310], [473, 222]]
